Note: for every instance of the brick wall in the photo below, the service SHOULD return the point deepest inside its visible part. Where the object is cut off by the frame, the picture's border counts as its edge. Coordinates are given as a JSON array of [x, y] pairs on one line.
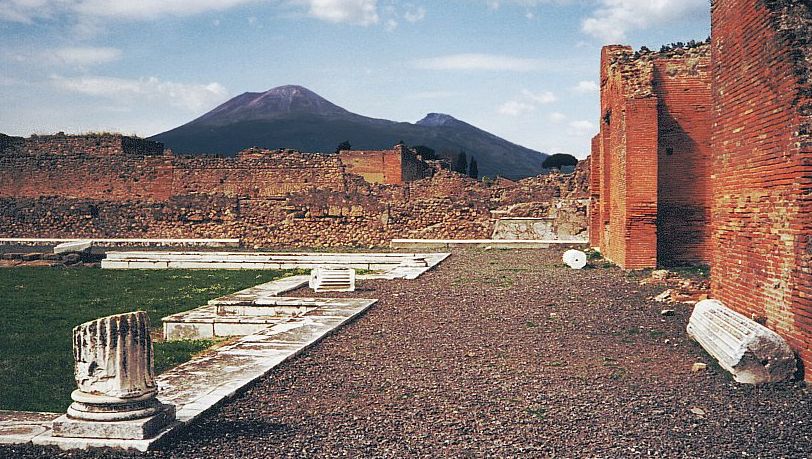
[[447, 205], [650, 162], [762, 164], [626, 148], [682, 84], [394, 167], [107, 187]]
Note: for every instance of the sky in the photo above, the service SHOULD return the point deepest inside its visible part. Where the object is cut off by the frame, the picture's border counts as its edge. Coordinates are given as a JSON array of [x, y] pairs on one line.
[[525, 70]]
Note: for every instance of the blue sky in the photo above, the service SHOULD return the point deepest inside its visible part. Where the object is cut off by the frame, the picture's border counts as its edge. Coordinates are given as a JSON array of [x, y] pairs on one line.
[[526, 70]]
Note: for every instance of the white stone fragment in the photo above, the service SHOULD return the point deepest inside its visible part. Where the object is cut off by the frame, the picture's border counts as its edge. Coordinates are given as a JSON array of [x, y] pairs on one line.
[[751, 352], [332, 280], [575, 259], [73, 246], [114, 370]]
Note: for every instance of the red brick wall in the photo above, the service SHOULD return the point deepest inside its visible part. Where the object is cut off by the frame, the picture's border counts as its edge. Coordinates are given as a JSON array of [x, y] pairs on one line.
[[105, 168], [627, 151], [683, 88], [762, 162], [595, 227], [393, 167], [651, 174]]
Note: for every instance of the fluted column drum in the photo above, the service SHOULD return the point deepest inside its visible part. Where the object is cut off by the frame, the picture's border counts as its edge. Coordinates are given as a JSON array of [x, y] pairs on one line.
[[114, 369]]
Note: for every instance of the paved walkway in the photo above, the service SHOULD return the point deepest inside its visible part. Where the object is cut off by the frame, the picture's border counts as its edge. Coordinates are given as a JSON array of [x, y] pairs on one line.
[[502, 354]]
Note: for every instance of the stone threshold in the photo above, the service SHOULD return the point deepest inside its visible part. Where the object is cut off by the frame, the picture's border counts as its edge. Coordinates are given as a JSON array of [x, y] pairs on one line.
[[391, 263], [121, 242], [483, 243], [200, 385]]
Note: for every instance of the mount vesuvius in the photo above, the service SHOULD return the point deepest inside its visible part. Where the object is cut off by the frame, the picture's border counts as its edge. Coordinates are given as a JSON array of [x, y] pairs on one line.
[[295, 117]]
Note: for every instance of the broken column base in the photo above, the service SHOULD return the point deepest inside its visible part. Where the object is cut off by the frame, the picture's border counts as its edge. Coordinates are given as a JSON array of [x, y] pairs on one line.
[[132, 429]]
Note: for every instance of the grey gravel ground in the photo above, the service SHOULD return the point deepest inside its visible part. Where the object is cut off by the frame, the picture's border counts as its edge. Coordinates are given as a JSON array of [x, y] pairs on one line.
[[502, 354]]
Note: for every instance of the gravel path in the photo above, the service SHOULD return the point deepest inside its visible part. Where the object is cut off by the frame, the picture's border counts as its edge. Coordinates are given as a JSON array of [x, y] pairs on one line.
[[502, 354]]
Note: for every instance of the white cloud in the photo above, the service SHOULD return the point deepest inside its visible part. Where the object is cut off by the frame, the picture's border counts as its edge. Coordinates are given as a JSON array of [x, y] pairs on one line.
[[83, 56], [480, 62], [361, 12], [192, 97], [148, 9], [496, 4], [586, 87], [581, 127], [531, 101], [391, 25], [557, 117], [544, 97], [415, 15], [516, 108], [614, 18]]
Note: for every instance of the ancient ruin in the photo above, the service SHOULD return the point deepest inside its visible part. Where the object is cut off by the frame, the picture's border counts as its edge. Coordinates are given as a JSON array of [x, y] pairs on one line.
[[701, 161], [117, 394], [101, 187]]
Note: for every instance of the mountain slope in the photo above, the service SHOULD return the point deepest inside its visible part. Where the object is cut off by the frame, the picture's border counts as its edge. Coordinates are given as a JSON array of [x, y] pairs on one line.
[[295, 117]]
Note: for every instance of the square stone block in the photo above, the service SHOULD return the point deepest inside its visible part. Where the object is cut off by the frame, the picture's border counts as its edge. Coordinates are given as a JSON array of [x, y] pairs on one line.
[[136, 429]]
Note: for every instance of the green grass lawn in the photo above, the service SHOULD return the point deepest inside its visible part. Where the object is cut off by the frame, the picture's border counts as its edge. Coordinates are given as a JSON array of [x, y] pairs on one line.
[[40, 306]]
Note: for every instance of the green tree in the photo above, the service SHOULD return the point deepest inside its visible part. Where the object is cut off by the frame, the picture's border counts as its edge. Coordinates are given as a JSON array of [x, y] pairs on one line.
[[345, 145], [473, 169], [559, 160]]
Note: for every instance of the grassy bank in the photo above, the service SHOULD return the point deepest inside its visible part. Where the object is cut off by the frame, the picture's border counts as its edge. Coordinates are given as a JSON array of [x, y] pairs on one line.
[[40, 307]]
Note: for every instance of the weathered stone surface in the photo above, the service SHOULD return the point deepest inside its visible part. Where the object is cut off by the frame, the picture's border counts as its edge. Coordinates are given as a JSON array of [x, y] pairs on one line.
[[130, 429], [332, 280], [752, 353], [575, 259], [115, 374], [73, 246]]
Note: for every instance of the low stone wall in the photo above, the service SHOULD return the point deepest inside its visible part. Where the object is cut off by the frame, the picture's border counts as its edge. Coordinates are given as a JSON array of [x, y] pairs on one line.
[[446, 206]]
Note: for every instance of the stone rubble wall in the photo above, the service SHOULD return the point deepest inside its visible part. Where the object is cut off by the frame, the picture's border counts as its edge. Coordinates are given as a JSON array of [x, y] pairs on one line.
[[762, 164], [264, 198]]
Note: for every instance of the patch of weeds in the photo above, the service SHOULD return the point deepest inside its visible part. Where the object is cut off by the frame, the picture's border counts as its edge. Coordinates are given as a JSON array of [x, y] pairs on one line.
[[617, 373], [170, 354], [538, 412], [609, 361], [593, 255], [633, 331], [531, 324], [695, 271], [656, 333]]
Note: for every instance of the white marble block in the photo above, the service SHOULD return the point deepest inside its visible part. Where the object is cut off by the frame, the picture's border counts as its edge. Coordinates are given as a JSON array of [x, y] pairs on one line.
[[332, 280], [751, 352], [575, 259], [114, 371], [73, 246]]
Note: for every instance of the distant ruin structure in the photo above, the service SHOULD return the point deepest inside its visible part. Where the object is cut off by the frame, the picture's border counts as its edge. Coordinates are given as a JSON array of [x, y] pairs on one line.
[[392, 167], [722, 175], [113, 186]]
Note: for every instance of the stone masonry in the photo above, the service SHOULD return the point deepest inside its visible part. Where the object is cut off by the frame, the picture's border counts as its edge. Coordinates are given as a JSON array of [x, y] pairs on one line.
[[722, 175], [650, 174], [263, 197]]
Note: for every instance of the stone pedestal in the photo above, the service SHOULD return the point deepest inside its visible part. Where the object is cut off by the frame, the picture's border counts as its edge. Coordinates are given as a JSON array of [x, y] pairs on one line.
[[114, 370]]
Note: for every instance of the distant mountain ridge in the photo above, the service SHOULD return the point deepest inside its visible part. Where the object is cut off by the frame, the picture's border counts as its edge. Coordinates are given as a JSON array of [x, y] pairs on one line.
[[296, 117]]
